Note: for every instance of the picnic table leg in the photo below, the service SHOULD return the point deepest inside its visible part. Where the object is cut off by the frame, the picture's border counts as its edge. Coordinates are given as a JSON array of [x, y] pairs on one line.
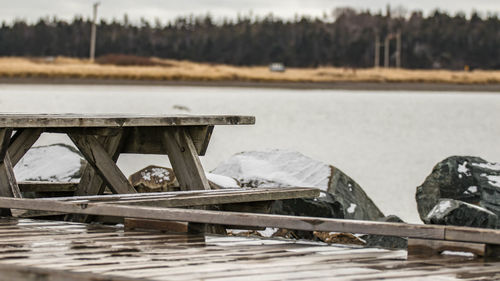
[[103, 164], [21, 142], [184, 159], [91, 182], [187, 167], [8, 184]]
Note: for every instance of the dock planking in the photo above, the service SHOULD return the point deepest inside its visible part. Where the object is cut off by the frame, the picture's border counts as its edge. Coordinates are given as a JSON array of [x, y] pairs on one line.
[[57, 250]]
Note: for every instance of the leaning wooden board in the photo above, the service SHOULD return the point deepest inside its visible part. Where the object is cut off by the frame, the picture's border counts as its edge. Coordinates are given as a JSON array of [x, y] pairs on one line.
[[436, 232]]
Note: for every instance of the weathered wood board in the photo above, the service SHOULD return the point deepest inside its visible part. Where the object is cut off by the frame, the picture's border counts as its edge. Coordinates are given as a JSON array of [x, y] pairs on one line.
[[435, 232], [17, 120]]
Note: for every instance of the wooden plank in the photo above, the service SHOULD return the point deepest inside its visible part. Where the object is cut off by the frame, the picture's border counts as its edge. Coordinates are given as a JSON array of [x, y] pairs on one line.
[[15, 120], [21, 142], [95, 131], [183, 200], [8, 184], [5, 135], [97, 156], [472, 234], [41, 186], [148, 140], [201, 137], [10, 272], [420, 247], [170, 226], [233, 218], [184, 159]]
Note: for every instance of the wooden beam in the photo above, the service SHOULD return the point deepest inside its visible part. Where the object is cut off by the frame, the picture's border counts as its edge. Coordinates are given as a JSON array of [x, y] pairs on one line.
[[5, 135], [86, 131], [184, 159], [201, 137], [425, 247], [437, 232], [148, 140], [21, 142], [181, 199], [41, 186], [97, 156], [15, 120], [8, 184]]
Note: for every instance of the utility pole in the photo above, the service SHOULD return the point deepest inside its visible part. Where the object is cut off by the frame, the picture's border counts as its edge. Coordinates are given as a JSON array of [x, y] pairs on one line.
[[93, 33], [377, 50], [398, 49]]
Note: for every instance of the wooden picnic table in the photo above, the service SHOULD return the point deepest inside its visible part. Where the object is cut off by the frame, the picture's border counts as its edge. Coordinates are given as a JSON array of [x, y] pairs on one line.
[[101, 138]]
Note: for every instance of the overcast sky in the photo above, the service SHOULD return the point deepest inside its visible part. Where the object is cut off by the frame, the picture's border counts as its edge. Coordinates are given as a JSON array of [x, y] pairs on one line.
[[168, 9]]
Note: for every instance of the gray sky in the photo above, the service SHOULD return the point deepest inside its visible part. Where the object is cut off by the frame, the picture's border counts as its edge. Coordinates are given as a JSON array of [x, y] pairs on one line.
[[168, 9]]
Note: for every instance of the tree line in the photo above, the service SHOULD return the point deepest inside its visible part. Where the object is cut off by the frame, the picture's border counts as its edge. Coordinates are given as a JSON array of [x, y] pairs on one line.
[[439, 40]]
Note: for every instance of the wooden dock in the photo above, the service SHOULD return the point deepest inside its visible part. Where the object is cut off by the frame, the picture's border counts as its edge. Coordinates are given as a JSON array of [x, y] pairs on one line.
[[54, 250]]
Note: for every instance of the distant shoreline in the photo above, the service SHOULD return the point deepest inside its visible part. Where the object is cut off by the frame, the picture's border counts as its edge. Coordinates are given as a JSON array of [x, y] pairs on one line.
[[360, 86]]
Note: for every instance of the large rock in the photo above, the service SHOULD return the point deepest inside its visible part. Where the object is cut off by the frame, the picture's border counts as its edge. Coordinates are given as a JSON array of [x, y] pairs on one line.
[[325, 206], [454, 212], [54, 163], [382, 241], [465, 178], [283, 168]]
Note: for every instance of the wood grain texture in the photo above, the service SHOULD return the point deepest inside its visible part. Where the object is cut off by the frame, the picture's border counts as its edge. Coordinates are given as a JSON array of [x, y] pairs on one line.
[[45, 186], [184, 159], [436, 247], [118, 120], [8, 184], [103, 164], [260, 220], [21, 142], [472, 234]]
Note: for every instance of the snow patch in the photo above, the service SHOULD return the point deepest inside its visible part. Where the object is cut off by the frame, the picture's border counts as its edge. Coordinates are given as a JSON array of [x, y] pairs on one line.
[[351, 208], [276, 168], [490, 166], [54, 163], [440, 208], [493, 180], [462, 169], [268, 232], [472, 189], [223, 181], [161, 174], [457, 253]]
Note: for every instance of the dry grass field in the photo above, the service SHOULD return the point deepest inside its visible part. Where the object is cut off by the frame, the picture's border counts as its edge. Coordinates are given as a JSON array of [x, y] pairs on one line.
[[173, 70]]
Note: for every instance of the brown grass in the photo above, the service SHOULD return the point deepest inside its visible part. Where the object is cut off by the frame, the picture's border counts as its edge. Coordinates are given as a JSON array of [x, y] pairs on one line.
[[163, 69]]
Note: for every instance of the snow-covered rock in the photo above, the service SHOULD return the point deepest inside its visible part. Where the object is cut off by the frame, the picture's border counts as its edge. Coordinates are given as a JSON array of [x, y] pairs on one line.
[[285, 168], [466, 178], [161, 179], [154, 179], [55, 163], [275, 168]]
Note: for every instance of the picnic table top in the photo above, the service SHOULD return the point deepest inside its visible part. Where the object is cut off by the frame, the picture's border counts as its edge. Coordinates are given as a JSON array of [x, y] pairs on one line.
[[23, 120]]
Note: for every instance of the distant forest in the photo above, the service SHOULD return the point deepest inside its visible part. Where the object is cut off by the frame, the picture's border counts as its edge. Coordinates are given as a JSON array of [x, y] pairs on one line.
[[439, 40]]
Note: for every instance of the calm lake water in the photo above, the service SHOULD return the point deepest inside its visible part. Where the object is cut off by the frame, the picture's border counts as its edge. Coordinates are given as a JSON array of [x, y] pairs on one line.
[[387, 141]]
